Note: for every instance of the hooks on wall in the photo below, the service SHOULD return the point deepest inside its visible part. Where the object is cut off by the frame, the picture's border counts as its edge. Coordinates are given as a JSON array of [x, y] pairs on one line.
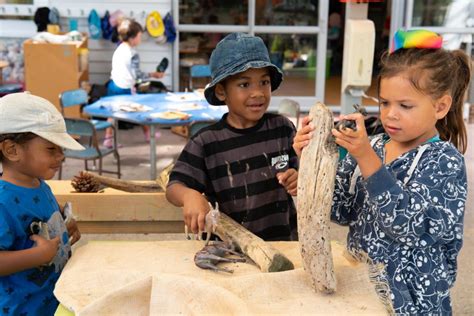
[[65, 12]]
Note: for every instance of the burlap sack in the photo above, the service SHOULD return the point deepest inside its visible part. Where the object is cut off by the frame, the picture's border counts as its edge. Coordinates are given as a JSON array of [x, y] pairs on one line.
[[156, 278]]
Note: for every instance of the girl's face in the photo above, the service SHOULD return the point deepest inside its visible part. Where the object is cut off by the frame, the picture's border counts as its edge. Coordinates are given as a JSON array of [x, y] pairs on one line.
[[38, 158], [136, 40], [409, 116], [247, 96]]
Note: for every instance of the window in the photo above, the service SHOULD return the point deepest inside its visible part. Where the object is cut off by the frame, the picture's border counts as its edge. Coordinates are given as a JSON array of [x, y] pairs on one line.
[[279, 12], [213, 12], [295, 55], [430, 12]]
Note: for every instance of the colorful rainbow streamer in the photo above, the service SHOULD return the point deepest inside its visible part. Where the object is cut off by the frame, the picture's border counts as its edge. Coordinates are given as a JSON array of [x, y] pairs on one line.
[[416, 39]]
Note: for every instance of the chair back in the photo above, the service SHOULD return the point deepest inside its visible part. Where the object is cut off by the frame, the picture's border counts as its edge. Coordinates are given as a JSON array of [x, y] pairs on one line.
[[86, 130], [194, 127], [290, 109], [73, 97], [198, 71], [83, 128]]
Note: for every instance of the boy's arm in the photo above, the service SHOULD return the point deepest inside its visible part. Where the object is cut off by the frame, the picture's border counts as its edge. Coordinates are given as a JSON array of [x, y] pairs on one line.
[[194, 204], [19, 260]]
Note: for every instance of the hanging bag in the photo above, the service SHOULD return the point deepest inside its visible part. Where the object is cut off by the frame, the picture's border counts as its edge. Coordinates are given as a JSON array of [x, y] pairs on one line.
[[94, 25], [170, 30]]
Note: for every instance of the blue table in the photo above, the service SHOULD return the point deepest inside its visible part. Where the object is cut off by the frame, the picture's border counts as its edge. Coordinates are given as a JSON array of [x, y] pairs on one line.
[[154, 105]]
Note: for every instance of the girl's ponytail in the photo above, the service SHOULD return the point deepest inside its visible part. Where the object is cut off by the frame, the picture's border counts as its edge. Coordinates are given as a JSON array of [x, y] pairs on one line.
[[452, 127]]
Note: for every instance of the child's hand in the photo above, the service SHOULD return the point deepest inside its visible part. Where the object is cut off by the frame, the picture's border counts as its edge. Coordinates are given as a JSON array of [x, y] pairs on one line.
[[48, 248], [289, 180], [157, 75], [356, 142], [195, 209], [303, 135], [73, 231]]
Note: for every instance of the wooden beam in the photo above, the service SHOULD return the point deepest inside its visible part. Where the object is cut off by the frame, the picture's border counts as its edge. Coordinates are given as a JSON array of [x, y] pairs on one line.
[[113, 211], [267, 258], [131, 227], [316, 177]]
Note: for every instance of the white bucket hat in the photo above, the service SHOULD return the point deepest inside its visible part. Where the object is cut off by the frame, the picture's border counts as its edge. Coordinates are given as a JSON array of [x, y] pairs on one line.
[[23, 112]]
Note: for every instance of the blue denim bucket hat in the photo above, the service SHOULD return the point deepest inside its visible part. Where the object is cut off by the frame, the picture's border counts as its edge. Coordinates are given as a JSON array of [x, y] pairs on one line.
[[234, 54]]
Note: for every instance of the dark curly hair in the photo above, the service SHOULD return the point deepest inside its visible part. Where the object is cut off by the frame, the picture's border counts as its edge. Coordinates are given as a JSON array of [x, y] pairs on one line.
[[19, 138]]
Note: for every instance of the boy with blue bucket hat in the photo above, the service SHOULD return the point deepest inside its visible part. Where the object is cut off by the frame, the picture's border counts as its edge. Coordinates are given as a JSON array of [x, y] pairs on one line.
[[245, 162]]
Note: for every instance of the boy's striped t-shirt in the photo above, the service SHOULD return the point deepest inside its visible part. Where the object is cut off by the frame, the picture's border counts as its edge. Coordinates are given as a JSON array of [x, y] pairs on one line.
[[238, 167]]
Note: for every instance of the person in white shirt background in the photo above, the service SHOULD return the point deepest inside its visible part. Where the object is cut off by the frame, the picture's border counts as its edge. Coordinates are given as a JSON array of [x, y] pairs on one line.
[[126, 68]]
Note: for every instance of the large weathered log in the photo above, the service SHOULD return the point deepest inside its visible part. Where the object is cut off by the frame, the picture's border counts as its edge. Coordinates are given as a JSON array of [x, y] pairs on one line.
[[262, 253], [159, 185], [316, 178]]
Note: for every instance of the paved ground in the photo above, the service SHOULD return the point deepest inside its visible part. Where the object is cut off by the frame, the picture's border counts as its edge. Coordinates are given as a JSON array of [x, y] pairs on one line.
[[135, 156]]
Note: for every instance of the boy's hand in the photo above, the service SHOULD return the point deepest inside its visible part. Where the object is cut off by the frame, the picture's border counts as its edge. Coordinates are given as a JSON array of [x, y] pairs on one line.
[[48, 248], [157, 75], [303, 135], [195, 209], [73, 231], [289, 180], [355, 141]]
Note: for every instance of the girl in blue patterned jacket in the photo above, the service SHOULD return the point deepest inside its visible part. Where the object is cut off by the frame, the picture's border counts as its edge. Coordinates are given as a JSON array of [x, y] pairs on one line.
[[403, 193]]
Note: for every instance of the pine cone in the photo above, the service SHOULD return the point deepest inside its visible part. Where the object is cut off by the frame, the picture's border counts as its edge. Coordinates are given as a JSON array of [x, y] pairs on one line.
[[85, 182]]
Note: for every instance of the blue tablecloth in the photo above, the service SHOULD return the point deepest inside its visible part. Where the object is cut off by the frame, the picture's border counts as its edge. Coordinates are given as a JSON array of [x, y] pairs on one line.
[[148, 109], [187, 102]]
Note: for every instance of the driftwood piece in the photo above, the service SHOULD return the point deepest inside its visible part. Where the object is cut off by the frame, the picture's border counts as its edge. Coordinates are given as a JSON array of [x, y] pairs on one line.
[[316, 176], [159, 185], [262, 253]]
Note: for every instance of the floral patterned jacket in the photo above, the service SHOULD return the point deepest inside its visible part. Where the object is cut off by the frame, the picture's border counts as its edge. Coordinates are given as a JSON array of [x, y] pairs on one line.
[[408, 216]]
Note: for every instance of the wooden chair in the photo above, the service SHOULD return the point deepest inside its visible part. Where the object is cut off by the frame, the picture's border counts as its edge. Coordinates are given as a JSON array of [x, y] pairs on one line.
[[85, 129]]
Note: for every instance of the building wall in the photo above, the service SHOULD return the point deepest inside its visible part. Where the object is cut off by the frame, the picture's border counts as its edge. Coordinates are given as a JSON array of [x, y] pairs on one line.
[[100, 51]]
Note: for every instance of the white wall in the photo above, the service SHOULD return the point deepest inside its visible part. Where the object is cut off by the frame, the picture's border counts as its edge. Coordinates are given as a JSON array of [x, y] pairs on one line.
[[100, 51]]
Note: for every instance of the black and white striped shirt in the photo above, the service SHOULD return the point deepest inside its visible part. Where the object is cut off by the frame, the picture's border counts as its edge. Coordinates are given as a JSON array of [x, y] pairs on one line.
[[238, 167]]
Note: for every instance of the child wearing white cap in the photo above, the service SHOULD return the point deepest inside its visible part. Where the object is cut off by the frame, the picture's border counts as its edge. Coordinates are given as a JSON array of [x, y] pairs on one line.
[[35, 242]]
